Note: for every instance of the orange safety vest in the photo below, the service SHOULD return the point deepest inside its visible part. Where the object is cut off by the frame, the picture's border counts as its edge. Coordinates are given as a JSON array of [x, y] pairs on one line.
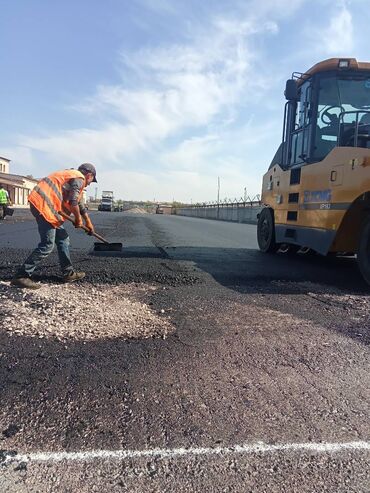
[[47, 196]]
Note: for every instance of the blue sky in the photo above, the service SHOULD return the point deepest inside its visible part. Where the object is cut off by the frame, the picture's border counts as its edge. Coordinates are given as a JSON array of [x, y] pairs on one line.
[[163, 96]]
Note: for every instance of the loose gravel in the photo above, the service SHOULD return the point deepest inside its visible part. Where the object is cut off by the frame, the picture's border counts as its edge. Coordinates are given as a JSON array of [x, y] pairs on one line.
[[81, 312]]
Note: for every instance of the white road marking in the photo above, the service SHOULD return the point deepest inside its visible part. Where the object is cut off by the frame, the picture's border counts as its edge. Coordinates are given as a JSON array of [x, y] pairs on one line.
[[247, 449]]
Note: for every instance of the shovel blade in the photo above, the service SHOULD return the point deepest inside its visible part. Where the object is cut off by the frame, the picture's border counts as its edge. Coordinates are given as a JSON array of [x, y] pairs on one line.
[[107, 247]]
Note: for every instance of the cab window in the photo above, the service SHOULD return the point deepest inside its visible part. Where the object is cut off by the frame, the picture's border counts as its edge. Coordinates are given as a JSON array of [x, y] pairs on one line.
[[301, 133]]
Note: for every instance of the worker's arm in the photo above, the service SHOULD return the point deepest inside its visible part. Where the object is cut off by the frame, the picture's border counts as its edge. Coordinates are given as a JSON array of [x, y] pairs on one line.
[[87, 220], [71, 193], [82, 214], [75, 209]]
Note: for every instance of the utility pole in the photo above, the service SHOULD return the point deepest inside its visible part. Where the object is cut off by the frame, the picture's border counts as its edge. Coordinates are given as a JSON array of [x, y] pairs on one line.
[[245, 194], [218, 197]]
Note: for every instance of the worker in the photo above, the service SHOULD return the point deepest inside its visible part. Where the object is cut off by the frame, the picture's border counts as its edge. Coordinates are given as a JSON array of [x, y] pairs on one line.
[[4, 201], [60, 191]]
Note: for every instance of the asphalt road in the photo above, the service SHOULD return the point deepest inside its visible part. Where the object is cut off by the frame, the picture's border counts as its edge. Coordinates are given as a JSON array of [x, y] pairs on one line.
[[270, 354]]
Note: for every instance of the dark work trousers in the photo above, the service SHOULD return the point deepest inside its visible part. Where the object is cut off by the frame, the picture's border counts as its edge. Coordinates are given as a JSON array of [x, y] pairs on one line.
[[49, 237]]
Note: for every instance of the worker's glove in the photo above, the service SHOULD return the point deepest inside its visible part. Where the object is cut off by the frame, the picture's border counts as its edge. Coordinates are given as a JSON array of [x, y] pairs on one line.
[[89, 225], [78, 224]]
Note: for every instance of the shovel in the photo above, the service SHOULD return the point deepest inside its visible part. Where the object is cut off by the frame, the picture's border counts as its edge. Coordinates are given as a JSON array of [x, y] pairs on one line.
[[105, 246]]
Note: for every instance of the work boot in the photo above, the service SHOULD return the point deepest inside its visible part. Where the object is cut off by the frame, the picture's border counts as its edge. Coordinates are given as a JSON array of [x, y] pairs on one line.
[[74, 276], [25, 282]]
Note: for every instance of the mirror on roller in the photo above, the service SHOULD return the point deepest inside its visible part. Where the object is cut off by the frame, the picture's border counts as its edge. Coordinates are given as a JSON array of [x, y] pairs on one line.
[[291, 90]]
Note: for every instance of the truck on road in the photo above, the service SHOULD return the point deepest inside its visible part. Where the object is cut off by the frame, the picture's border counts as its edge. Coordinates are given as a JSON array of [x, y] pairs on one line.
[[107, 201]]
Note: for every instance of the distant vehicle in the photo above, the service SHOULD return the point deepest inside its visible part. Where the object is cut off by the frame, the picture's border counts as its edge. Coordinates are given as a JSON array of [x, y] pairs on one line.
[[164, 209], [107, 201]]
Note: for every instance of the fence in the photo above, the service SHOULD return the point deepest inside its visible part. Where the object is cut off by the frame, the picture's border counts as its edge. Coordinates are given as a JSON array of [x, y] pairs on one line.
[[243, 210]]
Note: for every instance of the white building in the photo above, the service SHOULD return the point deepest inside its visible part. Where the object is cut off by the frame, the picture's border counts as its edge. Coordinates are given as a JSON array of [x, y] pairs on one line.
[[19, 187], [4, 165]]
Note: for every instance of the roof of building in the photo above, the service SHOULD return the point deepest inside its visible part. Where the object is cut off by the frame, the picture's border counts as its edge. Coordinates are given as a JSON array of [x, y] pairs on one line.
[[11, 179], [5, 159]]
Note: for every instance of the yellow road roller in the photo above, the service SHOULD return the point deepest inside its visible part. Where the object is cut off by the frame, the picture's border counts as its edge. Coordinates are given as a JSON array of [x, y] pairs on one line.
[[316, 192]]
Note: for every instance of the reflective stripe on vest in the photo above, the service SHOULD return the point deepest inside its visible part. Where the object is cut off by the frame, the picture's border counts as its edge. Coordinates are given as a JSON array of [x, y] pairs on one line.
[[54, 188], [38, 190], [3, 197], [47, 196]]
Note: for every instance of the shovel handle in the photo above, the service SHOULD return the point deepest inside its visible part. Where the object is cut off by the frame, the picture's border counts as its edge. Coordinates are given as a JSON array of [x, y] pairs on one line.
[[66, 216]]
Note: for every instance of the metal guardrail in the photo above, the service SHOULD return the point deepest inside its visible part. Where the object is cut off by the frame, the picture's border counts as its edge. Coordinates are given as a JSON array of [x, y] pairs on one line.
[[235, 210], [241, 202]]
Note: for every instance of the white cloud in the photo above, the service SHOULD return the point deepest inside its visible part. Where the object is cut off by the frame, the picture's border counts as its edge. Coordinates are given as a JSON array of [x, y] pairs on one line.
[[196, 186], [169, 93], [338, 38], [189, 170], [103, 145], [192, 154], [128, 185], [235, 155], [334, 36], [190, 85], [23, 158]]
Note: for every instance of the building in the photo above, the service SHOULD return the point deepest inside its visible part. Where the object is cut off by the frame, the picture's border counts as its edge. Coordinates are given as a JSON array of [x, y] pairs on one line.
[[19, 187], [4, 165]]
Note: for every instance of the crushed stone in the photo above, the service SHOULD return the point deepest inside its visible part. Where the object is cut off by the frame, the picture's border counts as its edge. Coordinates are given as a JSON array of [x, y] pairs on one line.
[[81, 311]]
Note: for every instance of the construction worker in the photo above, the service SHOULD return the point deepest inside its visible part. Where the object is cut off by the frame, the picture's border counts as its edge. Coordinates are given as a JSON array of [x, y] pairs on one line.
[[60, 191], [4, 201]]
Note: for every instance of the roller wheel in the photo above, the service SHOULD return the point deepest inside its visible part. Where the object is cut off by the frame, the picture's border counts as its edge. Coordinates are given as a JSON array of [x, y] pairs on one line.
[[363, 252], [266, 231]]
